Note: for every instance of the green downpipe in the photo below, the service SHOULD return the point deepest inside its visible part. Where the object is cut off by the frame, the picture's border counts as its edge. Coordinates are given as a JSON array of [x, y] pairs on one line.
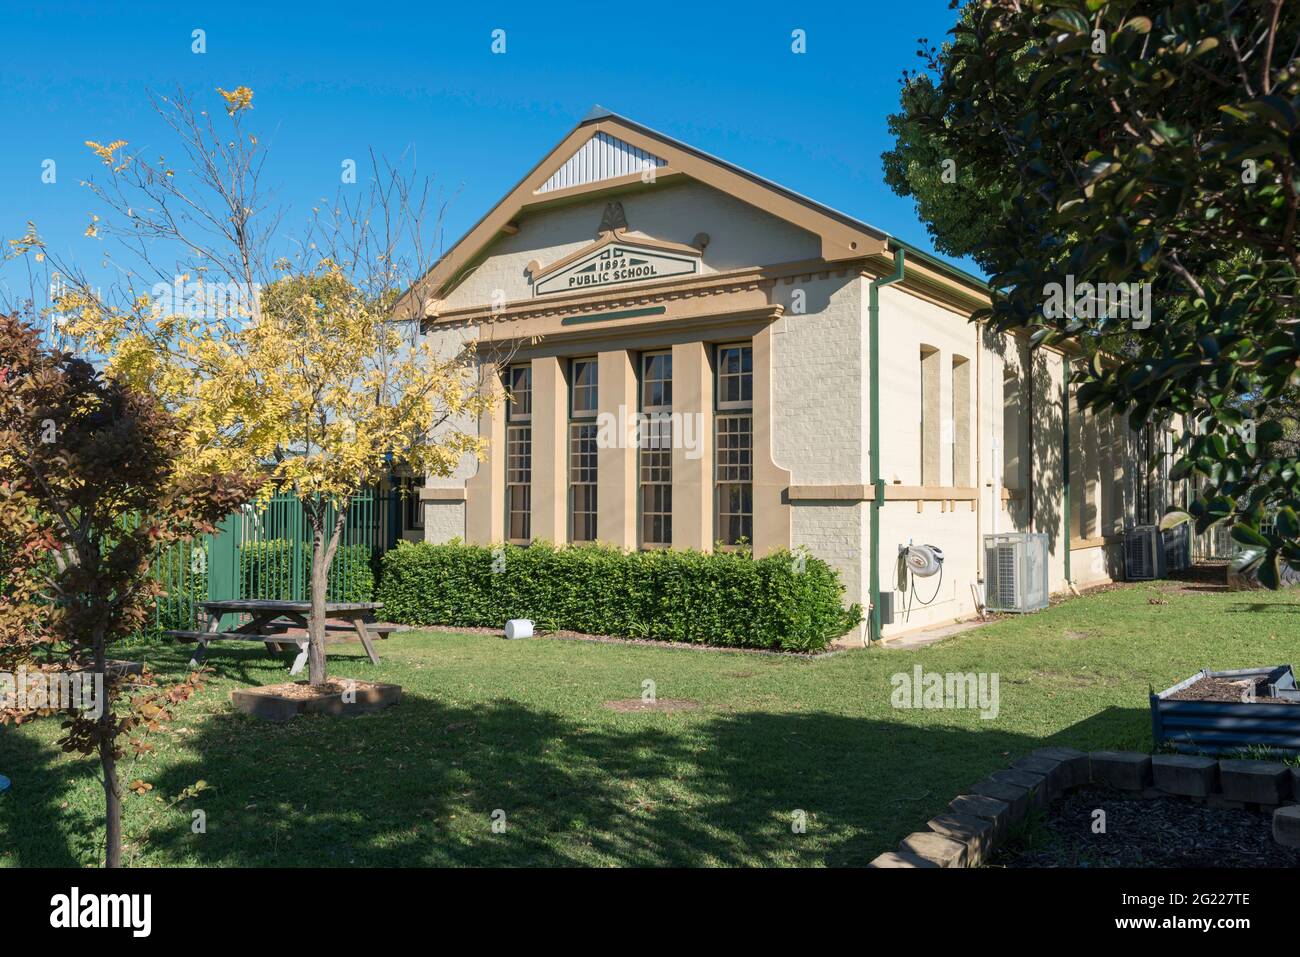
[[1065, 459], [877, 485]]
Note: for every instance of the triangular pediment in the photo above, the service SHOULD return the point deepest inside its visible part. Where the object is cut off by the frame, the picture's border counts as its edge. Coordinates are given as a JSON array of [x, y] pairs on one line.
[[606, 153], [600, 158]]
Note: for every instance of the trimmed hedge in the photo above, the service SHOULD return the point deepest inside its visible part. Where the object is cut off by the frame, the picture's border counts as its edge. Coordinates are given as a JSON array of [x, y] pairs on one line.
[[267, 571], [782, 601]]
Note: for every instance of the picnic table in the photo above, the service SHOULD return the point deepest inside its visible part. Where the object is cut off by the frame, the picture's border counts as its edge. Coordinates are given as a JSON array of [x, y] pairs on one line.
[[270, 620]]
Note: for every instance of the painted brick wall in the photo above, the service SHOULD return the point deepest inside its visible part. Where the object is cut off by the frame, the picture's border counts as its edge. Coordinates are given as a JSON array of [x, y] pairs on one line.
[[819, 429], [444, 521]]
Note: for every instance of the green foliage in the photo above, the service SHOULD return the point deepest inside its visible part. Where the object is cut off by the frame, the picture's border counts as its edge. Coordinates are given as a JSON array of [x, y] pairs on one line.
[[1161, 151], [177, 609], [280, 569], [267, 570], [782, 602], [960, 206]]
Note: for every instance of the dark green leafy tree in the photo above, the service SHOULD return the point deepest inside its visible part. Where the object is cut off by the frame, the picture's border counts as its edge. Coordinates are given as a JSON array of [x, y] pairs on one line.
[[962, 206], [1149, 144]]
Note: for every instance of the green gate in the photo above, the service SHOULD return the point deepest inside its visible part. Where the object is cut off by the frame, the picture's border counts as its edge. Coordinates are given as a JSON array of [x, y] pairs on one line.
[[264, 551]]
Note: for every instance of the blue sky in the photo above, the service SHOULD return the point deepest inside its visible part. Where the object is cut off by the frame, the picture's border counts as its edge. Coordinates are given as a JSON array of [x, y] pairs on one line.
[[334, 80]]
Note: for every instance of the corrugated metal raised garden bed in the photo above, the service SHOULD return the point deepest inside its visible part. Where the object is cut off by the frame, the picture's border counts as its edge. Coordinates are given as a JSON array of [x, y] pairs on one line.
[[1219, 712]]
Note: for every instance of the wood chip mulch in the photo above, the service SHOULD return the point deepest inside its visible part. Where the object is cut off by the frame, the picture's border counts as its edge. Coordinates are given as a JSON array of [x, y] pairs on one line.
[[302, 690], [1141, 832]]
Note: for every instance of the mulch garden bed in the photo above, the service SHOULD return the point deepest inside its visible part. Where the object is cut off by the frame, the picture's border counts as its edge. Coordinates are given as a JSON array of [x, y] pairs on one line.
[[341, 696], [1144, 832], [302, 690], [1227, 689]]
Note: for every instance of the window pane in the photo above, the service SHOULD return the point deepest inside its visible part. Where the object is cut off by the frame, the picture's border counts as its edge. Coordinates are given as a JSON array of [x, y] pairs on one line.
[[584, 513], [656, 381], [582, 480], [735, 513], [584, 386], [734, 445], [520, 405], [656, 514], [734, 448], [519, 474], [520, 513], [414, 507], [735, 375]]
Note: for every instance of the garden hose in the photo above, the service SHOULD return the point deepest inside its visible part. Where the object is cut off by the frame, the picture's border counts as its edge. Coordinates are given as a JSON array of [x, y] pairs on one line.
[[911, 593]]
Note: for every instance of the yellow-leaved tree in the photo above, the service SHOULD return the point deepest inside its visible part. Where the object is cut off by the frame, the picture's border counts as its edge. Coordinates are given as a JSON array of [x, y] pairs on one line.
[[311, 369], [329, 393]]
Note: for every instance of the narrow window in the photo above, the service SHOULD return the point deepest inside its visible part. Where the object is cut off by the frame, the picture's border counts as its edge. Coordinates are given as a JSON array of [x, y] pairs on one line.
[[1116, 457], [1090, 491], [582, 450], [929, 425], [1146, 456], [734, 445], [1011, 420], [412, 506], [961, 422], [1078, 471], [655, 441], [519, 454]]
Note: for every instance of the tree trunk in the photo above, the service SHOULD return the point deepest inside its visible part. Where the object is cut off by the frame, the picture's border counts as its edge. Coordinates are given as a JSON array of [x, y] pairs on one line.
[[320, 574], [325, 543], [108, 763], [112, 806]]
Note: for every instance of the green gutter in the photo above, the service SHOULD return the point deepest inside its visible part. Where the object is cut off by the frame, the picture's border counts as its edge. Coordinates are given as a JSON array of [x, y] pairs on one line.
[[1065, 457], [956, 272], [878, 486]]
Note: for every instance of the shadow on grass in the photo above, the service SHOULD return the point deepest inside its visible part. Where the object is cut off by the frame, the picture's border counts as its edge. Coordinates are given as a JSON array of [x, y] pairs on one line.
[[418, 785], [36, 826], [1253, 607]]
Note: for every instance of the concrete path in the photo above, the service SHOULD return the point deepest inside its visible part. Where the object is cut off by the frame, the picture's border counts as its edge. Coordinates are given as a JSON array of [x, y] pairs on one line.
[[928, 636]]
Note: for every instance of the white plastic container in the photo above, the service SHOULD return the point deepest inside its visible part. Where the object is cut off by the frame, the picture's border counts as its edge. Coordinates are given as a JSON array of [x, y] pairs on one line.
[[519, 628]]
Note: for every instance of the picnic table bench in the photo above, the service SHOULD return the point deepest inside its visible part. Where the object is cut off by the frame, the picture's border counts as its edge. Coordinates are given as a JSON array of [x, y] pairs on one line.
[[270, 620]]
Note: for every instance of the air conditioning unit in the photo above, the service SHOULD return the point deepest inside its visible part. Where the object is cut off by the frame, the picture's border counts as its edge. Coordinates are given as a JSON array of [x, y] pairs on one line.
[[1015, 572], [1144, 553], [1177, 542]]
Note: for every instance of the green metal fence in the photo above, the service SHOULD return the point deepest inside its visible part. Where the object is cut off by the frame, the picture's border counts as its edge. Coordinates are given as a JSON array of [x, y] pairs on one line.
[[265, 551]]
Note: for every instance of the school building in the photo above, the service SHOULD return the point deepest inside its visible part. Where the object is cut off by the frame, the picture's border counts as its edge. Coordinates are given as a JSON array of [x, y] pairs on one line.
[[697, 357]]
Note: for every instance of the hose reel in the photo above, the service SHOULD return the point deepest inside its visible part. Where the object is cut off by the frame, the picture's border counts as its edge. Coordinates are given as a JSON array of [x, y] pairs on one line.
[[921, 561]]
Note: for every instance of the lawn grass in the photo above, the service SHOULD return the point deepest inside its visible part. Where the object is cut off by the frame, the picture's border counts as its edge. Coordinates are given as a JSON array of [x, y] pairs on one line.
[[521, 727]]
